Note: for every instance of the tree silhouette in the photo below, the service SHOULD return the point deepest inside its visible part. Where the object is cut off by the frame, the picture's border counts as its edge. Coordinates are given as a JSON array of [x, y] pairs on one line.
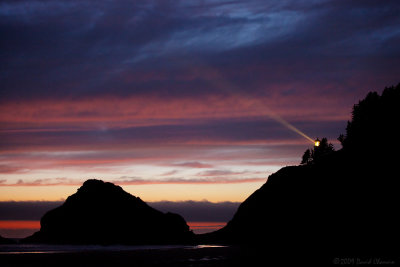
[[307, 157], [373, 118], [314, 155]]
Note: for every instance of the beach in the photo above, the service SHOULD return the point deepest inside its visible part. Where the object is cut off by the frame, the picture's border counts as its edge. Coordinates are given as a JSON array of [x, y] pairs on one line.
[[124, 256]]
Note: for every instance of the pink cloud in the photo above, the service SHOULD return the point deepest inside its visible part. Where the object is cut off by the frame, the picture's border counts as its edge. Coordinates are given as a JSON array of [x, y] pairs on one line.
[[135, 181], [213, 180], [192, 164], [114, 112], [110, 161], [221, 173], [170, 173]]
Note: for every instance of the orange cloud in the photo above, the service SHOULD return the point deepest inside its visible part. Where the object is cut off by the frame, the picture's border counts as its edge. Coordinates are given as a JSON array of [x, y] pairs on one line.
[[201, 225], [19, 224]]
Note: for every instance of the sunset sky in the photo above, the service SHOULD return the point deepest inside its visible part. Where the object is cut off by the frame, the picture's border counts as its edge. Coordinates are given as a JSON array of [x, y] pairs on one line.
[[180, 100]]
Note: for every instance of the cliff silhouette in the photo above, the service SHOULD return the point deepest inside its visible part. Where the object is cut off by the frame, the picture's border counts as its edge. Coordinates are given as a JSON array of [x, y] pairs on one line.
[[343, 205], [103, 213]]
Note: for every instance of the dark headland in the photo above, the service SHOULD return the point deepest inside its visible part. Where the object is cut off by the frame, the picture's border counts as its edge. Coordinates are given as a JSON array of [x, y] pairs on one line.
[[337, 209], [344, 205]]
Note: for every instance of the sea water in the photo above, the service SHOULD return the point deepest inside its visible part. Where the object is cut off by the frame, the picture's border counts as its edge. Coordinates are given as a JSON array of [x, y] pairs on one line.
[[48, 249]]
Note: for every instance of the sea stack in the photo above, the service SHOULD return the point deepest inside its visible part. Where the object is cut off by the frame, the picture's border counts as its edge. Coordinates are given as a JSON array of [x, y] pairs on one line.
[[103, 213]]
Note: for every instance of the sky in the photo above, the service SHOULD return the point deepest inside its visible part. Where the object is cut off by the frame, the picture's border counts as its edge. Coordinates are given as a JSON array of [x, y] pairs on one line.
[[180, 100]]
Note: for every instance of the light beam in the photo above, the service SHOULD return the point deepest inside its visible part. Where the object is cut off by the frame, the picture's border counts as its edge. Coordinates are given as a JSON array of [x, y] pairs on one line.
[[225, 85]]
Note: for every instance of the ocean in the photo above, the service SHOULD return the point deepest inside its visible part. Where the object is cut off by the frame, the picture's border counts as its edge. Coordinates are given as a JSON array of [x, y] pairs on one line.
[[116, 255], [50, 249], [21, 229]]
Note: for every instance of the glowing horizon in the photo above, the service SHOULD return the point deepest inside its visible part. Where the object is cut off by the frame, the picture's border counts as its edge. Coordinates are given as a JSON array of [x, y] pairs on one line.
[[234, 192]]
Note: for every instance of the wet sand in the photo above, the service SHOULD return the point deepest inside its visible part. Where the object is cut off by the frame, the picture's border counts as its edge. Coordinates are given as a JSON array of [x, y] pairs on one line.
[[183, 256], [219, 256]]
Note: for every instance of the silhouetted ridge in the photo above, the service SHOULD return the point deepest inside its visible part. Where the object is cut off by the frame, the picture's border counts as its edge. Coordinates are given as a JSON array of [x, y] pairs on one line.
[[343, 205], [103, 213]]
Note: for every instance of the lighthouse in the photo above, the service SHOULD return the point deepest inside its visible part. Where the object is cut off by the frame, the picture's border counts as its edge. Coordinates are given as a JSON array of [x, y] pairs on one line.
[[317, 142]]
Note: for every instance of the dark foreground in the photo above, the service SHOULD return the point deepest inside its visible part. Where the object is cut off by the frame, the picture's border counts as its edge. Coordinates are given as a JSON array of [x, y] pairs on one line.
[[210, 256], [186, 256], [207, 256], [218, 256]]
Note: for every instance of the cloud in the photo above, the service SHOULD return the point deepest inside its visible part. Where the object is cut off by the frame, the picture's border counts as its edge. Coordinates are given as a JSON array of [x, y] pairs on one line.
[[182, 84], [26, 210], [199, 210], [179, 180], [7, 169], [190, 210], [115, 113], [43, 182], [92, 74], [192, 164], [221, 173], [124, 162], [219, 131], [170, 173], [86, 49], [125, 180]]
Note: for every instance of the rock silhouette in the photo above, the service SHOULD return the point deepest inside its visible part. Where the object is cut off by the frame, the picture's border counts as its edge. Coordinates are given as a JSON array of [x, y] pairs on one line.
[[103, 213], [4, 240], [344, 205]]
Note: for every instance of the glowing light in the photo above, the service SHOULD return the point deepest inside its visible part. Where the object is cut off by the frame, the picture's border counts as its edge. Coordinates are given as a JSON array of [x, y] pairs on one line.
[[317, 142]]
